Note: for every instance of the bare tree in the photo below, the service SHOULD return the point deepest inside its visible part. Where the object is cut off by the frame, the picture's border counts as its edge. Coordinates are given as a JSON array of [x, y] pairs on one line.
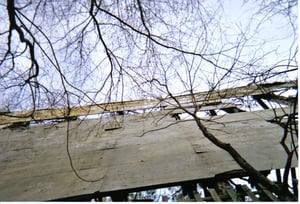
[[66, 53]]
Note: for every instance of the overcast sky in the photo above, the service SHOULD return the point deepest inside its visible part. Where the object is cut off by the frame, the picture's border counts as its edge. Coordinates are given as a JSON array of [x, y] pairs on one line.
[[230, 35]]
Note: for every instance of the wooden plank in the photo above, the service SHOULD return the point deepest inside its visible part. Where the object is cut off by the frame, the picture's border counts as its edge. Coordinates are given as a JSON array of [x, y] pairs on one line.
[[165, 198], [214, 195], [180, 198], [250, 193], [46, 114], [201, 97], [239, 91], [197, 196], [231, 192]]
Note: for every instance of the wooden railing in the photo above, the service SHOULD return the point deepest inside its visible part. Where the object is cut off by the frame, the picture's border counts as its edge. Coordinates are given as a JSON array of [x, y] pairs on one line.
[[200, 98]]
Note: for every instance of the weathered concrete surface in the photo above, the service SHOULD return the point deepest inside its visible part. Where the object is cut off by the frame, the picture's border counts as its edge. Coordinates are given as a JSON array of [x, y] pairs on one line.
[[35, 166]]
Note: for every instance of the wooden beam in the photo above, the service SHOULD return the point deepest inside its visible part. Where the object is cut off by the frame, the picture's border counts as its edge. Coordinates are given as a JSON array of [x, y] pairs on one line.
[[214, 195], [231, 192], [250, 193], [180, 198], [185, 100], [197, 196], [165, 198]]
